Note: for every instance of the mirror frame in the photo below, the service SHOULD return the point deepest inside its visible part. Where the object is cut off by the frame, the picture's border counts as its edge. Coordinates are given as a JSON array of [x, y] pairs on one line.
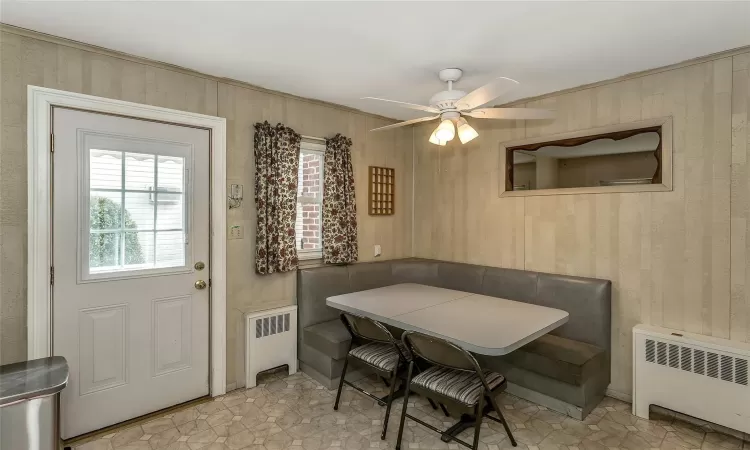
[[662, 125]]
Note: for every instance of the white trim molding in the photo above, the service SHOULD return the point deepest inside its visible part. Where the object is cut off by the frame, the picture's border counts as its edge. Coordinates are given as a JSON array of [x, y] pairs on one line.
[[40, 103]]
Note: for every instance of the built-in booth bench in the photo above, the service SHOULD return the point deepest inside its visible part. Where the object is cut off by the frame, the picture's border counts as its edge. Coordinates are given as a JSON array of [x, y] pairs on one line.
[[567, 370]]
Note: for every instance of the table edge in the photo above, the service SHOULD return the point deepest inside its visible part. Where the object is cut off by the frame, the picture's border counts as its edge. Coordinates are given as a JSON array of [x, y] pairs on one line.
[[486, 351]]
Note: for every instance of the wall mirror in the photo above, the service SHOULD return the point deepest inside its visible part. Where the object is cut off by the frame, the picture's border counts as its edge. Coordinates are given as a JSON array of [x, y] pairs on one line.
[[633, 157]]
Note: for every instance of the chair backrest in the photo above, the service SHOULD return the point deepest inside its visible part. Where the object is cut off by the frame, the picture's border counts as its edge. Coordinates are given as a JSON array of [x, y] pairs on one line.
[[366, 329], [440, 352]]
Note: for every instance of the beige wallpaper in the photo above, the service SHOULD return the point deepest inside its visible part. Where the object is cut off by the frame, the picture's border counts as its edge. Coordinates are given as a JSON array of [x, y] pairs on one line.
[[669, 254], [28, 60], [243, 107], [678, 259]]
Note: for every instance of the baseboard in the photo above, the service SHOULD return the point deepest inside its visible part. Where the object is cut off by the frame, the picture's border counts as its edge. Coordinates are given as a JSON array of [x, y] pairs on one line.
[[231, 387], [622, 396]]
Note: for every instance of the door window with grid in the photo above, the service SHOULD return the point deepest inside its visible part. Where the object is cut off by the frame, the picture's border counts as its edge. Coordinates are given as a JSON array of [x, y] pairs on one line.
[[308, 226], [137, 212]]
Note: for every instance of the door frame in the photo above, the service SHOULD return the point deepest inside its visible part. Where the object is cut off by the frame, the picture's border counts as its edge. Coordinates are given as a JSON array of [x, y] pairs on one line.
[[39, 318]]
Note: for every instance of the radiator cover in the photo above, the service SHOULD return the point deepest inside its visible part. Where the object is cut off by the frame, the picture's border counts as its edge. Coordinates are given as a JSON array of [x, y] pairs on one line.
[[701, 376], [270, 341]]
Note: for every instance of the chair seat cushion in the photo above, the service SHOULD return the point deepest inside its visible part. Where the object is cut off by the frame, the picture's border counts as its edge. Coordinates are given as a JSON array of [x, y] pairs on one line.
[[383, 356], [462, 386], [570, 361], [330, 338]]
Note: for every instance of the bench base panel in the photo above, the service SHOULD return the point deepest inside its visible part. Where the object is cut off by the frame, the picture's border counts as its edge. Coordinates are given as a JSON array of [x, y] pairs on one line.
[[554, 404]]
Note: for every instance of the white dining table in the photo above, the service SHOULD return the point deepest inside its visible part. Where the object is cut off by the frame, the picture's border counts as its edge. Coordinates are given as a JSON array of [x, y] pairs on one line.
[[478, 323], [481, 324]]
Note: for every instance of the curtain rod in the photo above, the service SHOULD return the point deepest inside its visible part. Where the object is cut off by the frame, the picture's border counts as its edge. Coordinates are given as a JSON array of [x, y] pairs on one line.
[[313, 138]]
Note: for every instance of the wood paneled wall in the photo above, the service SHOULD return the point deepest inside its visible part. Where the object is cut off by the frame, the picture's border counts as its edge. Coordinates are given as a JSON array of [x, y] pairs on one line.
[[243, 107], [27, 59], [739, 320], [679, 259], [668, 254]]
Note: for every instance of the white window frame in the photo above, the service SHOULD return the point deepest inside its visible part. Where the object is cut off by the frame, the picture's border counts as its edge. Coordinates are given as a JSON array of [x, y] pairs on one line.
[[318, 149], [125, 144]]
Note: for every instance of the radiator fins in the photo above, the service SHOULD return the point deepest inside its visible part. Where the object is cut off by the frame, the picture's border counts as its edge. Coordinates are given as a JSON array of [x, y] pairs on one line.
[[268, 326], [701, 362], [740, 371]]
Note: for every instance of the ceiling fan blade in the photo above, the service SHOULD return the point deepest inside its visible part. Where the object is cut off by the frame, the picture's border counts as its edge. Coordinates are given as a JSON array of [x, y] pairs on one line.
[[406, 105], [407, 122], [486, 93], [511, 113]]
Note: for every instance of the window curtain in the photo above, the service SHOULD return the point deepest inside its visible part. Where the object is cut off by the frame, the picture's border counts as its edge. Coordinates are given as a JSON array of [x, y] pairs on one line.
[[276, 163], [339, 207]]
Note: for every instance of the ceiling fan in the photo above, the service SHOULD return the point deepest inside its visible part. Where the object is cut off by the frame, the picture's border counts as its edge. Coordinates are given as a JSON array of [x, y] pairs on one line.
[[452, 105]]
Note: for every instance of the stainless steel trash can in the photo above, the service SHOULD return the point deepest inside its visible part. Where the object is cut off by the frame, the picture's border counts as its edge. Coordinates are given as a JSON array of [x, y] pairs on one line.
[[29, 394]]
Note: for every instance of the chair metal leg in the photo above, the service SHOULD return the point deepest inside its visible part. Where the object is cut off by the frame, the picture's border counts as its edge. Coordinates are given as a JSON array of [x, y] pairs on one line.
[[341, 384], [403, 410], [445, 411], [502, 419], [478, 422], [389, 403]]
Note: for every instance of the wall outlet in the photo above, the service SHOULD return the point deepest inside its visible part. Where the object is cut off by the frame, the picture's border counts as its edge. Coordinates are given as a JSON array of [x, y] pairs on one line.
[[236, 232], [378, 251]]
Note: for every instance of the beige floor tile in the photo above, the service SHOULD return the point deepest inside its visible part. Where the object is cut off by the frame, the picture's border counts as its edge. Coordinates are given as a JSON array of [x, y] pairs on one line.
[[193, 427], [220, 418], [240, 440], [229, 429], [127, 436], [293, 413], [184, 416], [157, 426], [102, 444], [137, 445]]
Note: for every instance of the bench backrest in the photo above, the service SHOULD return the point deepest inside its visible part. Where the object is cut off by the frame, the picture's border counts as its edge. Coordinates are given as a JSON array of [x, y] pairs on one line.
[[587, 300]]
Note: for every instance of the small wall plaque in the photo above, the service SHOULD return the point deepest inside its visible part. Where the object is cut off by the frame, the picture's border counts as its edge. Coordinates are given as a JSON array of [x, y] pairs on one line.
[[381, 191]]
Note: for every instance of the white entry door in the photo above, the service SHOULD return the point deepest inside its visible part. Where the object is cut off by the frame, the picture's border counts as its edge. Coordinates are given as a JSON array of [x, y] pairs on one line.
[[130, 258]]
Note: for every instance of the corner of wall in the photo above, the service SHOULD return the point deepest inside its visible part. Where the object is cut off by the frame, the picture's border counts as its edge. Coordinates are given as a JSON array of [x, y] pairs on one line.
[[413, 191]]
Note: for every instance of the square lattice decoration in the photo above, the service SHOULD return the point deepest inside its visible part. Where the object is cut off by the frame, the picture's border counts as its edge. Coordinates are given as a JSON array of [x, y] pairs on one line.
[[382, 192]]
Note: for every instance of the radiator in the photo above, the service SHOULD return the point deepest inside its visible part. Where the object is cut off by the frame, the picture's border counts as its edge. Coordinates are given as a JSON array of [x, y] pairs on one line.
[[270, 341], [701, 376]]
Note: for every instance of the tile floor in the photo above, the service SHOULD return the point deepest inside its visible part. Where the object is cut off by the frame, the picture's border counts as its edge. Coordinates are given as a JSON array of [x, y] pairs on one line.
[[295, 412]]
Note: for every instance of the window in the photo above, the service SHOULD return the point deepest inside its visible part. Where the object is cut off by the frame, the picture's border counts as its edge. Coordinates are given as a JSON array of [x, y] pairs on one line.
[[619, 158], [308, 227], [136, 212]]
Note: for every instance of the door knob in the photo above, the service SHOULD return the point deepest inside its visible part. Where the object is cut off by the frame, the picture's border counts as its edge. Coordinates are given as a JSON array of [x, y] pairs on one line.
[[200, 284]]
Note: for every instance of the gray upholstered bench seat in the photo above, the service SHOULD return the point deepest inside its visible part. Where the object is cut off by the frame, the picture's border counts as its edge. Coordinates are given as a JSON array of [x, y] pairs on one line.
[[563, 359], [567, 370], [330, 338]]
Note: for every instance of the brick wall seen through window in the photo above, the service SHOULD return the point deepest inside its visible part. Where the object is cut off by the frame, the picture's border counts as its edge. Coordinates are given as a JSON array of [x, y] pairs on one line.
[[309, 201]]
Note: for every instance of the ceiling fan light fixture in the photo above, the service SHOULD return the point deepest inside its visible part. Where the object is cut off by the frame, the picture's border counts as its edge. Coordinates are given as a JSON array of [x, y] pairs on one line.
[[465, 131], [435, 140], [445, 131]]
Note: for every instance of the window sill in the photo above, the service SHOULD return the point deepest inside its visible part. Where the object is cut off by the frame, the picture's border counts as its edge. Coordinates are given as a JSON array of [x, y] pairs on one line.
[[310, 261]]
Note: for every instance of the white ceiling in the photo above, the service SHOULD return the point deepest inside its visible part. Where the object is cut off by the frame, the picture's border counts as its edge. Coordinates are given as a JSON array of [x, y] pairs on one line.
[[341, 51]]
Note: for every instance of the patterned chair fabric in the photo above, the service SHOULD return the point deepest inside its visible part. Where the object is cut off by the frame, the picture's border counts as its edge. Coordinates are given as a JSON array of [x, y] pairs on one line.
[[464, 387], [383, 356]]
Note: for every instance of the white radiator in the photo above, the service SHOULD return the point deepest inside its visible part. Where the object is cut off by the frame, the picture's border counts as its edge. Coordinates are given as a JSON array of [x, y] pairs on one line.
[[701, 376], [270, 341]]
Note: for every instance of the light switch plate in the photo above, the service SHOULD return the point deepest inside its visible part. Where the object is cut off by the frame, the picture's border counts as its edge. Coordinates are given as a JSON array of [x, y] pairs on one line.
[[236, 191], [378, 251], [236, 232]]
